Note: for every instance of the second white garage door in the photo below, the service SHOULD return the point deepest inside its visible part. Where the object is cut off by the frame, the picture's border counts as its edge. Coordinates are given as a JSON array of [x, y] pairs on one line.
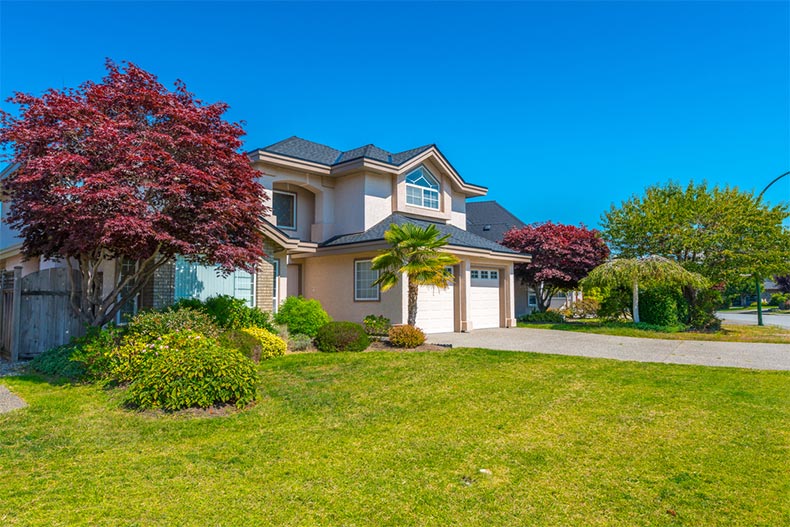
[[484, 301]]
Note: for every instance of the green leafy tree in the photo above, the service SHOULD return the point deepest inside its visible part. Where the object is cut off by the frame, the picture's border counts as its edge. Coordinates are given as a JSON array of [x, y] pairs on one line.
[[644, 272], [416, 252], [721, 233]]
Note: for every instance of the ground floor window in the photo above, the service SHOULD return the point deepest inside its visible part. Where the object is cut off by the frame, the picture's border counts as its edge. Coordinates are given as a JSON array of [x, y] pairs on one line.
[[532, 299], [364, 276], [203, 281]]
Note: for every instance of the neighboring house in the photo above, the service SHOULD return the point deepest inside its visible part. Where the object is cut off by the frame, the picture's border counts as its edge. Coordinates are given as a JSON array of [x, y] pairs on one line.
[[330, 210], [491, 220]]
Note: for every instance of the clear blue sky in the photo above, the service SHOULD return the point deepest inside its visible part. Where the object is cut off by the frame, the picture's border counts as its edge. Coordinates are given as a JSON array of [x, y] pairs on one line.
[[559, 108]]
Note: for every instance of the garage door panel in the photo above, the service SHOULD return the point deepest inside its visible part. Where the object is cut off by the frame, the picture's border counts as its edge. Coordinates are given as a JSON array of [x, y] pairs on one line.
[[484, 299], [436, 309]]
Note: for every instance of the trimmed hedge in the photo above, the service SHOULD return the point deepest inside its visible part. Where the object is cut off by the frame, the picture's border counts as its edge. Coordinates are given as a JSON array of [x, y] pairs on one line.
[[254, 343], [543, 317], [150, 325], [189, 370], [341, 336]]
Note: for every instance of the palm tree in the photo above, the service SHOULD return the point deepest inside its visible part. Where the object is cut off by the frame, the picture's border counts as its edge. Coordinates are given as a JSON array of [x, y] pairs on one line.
[[646, 271], [414, 251]]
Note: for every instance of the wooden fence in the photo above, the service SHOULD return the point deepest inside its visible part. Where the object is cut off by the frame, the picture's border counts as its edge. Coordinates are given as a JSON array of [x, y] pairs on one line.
[[36, 313]]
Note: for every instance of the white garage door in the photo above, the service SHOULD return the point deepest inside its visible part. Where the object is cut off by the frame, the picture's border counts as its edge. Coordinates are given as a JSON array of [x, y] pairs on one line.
[[484, 301], [436, 309]]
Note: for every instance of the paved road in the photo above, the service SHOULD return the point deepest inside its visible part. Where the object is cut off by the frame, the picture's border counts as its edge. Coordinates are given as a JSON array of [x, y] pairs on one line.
[[750, 318], [733, 354]]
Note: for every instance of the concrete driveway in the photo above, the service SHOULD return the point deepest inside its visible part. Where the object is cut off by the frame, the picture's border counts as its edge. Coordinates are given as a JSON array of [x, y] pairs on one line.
[[750, 318], [732, 354]]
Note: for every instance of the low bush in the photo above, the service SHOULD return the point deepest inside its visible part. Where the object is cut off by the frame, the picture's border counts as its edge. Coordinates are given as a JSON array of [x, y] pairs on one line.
[[341, 336], [406, 336], [376, 326], [189, 370], [585, 308], [543, 317], [702, 313], [148, 326], [254, 343], [675, 328], [57, 362], [301, 315], [299, 342]]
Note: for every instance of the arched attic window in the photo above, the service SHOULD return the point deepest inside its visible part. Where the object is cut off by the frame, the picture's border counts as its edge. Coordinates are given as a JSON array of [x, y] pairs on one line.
[[422, 188]]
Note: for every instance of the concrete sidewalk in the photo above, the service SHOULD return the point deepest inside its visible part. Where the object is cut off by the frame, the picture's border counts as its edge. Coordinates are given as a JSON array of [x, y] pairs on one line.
[[705, 353]]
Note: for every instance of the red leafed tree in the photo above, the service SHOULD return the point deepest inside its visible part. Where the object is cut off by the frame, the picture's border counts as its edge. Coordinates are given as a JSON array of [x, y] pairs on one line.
[[561, 256], [125, 168]]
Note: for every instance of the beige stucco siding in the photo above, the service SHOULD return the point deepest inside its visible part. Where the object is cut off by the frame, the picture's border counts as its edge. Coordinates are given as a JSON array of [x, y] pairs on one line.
[[349, 204], [378, 198], [330, 280]]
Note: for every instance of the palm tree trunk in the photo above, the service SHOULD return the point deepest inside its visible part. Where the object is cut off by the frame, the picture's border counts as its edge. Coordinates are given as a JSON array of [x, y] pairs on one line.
[[635, 308], [412, 302]]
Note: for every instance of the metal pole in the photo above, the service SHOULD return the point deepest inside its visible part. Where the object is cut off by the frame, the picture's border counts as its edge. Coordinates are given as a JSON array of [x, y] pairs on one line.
[[771, 183], [759, 302]]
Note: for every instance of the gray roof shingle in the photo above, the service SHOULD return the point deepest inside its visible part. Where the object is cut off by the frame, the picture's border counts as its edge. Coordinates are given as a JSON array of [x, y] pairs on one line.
[[458, 237], [490, 220], [305, 150]]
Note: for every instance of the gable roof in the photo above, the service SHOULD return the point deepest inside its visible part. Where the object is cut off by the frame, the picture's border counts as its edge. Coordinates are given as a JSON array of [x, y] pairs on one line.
[[458, 237], [490, 220], [305, 150]]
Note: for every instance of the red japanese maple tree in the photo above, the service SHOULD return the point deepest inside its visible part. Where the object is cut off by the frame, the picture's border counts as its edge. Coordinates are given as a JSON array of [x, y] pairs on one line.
[[126, 168], [561, 256]]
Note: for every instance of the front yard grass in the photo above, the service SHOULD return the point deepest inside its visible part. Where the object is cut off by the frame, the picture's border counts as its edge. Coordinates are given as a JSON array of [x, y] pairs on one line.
[[400, 438], [728, 332]]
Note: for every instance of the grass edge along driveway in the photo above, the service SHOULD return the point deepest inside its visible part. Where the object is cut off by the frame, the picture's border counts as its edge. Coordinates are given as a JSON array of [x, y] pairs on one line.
[[390, 438]]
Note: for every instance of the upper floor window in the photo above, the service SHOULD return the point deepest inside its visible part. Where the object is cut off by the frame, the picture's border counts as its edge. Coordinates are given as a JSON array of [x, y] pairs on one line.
[[284, 208], [422, 189]]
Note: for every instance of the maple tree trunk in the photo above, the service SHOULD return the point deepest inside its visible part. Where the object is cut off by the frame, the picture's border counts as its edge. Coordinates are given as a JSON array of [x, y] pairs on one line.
[[413, 290], [543, 296]]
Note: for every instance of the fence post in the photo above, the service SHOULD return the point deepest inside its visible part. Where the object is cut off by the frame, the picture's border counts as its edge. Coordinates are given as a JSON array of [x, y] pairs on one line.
[[16, 318]]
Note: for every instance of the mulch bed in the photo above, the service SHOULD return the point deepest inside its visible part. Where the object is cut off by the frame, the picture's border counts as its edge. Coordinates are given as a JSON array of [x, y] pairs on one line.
[[384, 345]]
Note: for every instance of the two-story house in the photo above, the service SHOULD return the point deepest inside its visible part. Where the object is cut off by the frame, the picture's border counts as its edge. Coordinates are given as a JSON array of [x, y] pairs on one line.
[[329, 212]]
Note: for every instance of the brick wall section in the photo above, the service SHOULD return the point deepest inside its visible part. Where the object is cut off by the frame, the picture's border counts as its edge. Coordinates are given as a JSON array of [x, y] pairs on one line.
[[264, 280], [160, 291]]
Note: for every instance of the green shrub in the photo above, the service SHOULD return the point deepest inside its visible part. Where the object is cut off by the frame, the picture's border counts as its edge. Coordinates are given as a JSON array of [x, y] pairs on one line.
[[95, 350], [189, 370], [302, 315], [780, 300], [406, 336], [702, 312], [147, 326], [254, 343], [658, 306], [57, 362], [616, 303], [299, 342], [660, 329], [341, 336], [376, 326], [549, 316]]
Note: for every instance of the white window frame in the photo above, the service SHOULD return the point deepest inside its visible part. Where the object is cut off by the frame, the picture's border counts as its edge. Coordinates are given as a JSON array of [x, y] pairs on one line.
[[357, 298], [423, 190], [294, 196]]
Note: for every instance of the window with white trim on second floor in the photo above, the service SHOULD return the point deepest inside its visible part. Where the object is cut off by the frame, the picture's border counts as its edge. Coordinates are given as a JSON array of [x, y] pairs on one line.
[[284, 208], [422, 189]]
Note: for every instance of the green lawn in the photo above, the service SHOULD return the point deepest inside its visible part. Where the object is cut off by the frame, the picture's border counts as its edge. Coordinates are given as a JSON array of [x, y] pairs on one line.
[[388, 438], [728, 332]]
